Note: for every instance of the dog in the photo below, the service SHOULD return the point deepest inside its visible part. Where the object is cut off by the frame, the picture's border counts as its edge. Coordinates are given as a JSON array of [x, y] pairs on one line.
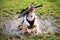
[[30, 20]]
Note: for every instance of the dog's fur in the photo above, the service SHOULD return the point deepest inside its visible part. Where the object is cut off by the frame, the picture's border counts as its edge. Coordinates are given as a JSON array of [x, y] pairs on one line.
[[30, 20]]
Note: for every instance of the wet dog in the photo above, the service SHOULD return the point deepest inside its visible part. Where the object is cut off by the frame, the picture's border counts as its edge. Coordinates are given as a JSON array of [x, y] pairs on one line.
[[30, 20]]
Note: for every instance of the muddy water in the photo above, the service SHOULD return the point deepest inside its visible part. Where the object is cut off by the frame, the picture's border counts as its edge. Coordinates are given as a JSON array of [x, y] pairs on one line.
[[47, 24]]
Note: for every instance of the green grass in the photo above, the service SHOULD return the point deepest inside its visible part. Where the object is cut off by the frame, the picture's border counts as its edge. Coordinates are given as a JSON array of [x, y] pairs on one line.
[[32, 38], [52, 6], [49, 6]]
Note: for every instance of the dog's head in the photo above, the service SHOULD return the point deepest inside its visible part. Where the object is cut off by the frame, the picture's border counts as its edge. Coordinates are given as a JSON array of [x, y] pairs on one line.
[[31, 8], [28, 10]]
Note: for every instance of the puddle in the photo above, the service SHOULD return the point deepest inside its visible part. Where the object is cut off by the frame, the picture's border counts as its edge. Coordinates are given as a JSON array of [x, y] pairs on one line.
[[46, 25]]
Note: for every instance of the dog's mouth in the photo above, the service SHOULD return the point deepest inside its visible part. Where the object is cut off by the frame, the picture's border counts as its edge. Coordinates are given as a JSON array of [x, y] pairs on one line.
[[31, 8]]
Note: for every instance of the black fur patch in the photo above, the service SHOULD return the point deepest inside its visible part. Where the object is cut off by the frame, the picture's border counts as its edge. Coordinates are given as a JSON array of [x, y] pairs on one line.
[[31, 23]]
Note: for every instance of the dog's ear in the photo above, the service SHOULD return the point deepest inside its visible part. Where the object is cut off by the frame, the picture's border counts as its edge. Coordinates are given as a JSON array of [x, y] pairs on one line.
[[38, 6]]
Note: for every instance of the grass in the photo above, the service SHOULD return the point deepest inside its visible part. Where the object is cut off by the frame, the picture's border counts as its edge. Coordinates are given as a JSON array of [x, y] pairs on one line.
[[10, 7], [51, 6], [32, 38]]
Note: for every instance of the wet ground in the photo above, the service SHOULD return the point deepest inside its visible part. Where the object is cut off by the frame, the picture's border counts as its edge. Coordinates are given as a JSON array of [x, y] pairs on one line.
[[47, 25]]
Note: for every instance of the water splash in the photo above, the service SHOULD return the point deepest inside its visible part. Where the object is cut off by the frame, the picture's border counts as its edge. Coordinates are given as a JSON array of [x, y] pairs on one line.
[[11, 27]]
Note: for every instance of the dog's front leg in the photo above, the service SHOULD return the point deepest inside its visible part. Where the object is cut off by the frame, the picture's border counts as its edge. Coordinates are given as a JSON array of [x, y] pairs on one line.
[[38, 28]]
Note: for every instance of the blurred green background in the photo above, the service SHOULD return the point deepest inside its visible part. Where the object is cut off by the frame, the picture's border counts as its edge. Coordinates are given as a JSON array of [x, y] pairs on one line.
[[8, 7]]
